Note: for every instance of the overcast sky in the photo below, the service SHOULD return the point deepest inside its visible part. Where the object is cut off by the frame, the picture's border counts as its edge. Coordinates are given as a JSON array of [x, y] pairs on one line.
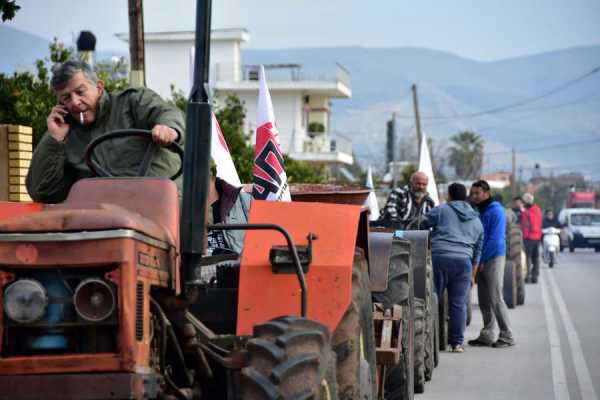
[[482, 30]]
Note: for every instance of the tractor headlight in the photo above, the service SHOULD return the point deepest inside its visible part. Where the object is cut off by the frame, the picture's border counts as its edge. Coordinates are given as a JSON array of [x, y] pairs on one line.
[[25, 301], [94, 300]]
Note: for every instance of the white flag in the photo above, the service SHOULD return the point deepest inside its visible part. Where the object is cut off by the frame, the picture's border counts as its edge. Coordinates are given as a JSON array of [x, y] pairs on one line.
[[219, 151], [426, 167], [221, 156], [371, 201], [270, 180]]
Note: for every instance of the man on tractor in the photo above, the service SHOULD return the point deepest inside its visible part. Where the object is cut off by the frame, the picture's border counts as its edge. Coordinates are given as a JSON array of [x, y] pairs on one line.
[[85, 111], [407, 204], [229, 205]]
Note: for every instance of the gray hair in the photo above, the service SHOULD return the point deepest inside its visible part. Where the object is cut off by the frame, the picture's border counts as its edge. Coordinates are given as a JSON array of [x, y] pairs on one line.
[[527, 198], [62, 73]]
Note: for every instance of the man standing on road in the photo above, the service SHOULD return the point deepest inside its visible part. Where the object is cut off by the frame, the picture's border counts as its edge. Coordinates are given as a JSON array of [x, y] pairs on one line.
[[456, 244], [531, 225], [490, 273], [518, 208], [85, 111], [407, 204]]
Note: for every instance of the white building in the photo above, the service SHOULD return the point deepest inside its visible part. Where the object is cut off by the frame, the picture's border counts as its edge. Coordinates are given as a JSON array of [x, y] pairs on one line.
[[301, 101]]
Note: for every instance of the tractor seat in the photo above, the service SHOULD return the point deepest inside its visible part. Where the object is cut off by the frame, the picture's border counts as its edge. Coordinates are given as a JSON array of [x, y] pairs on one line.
[[146, 205]]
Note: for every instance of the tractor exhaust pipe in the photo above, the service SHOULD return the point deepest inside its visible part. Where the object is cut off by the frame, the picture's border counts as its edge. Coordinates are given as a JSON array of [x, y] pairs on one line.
[[197, 150]]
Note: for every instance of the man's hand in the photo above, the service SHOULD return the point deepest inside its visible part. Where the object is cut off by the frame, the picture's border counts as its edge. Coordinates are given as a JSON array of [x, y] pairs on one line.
[[164, 135], [57, 126], [474, 276]]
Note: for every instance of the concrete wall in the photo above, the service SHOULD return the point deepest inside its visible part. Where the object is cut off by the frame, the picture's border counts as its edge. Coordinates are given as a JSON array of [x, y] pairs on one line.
[[287, 106], [321, 117], [173, 57]]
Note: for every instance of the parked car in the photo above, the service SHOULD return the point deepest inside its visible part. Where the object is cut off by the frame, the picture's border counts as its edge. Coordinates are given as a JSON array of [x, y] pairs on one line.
[[581, 228]]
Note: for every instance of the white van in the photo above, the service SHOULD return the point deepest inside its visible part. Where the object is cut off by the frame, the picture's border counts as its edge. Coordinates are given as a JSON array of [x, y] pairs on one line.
[[581, 228]]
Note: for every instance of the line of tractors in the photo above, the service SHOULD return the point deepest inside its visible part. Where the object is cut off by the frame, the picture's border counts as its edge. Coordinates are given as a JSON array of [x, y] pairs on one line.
[[109, 296], [93, 305]]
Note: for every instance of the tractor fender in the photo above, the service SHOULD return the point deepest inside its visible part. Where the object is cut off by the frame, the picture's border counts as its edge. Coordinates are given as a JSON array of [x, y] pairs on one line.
[[264, 295]]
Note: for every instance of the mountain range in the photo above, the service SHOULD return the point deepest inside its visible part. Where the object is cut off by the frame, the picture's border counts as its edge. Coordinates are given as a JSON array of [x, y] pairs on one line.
[[546, 106], [551, 107]]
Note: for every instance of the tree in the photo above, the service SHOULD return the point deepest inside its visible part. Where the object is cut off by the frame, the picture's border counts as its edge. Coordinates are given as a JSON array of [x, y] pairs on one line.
[[231, 114], [8, 9], [466, 155], [26, 99]]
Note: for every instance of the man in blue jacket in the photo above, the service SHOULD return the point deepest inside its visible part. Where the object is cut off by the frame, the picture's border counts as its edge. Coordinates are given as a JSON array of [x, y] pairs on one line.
[[490, 273], [456, 244]]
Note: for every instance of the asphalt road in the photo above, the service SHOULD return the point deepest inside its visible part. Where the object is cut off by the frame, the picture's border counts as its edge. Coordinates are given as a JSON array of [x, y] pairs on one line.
[[557, 355]]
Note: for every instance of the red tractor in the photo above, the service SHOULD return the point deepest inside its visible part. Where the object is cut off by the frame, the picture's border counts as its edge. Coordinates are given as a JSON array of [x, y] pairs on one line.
[[109, 294]]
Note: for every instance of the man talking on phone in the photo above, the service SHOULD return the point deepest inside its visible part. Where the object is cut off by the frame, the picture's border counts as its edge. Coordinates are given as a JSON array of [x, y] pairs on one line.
[[84, 111]]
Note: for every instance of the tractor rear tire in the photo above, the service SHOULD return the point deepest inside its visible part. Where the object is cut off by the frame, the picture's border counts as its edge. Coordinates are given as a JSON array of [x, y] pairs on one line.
[[469, 307], [353, 339], [399, 378], [436, 331], [510, 285], [514, 253], [521, 281], [429, 325], [289, 357], [420, 345], [444, 318]]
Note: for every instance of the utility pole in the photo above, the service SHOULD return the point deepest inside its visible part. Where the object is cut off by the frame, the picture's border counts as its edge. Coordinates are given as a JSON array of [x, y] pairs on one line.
[[417, 117], [136, 43], [521, 174], [391, 146], [513, 175]]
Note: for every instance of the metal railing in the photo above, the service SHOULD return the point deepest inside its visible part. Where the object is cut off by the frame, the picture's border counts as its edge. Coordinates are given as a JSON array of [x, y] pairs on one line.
[[328, 144], [283, 72]]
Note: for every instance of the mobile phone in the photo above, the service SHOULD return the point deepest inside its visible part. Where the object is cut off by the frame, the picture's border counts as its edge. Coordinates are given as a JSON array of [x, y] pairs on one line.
[[69, 119]]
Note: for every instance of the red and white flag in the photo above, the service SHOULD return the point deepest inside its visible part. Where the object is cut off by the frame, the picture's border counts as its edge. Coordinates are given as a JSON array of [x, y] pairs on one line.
[[219, 151], [270, 180], [221, 156]]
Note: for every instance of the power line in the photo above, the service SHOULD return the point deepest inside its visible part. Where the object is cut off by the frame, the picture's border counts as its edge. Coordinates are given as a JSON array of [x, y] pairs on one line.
[[564, 167], [536, 111], [512, 105], [547, 147]]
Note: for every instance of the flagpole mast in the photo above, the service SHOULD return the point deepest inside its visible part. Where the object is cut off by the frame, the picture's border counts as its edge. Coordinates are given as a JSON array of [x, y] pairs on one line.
[[417, 117]]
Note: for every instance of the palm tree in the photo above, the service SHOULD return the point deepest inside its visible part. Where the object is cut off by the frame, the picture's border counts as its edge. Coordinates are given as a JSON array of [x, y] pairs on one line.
[[466, 155]]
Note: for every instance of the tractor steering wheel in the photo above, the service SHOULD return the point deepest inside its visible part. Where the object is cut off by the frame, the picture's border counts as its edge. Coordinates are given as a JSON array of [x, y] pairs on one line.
[[151, 150]]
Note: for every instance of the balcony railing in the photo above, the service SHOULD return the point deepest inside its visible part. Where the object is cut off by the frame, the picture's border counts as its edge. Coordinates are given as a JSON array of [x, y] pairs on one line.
[[328, 144], [283, 72]]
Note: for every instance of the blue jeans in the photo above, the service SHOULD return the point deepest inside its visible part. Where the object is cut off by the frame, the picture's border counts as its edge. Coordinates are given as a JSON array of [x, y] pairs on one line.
[[454, 274]]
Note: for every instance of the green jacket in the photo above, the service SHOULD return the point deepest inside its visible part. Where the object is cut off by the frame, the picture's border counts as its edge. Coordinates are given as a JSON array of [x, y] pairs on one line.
[[56, 165]]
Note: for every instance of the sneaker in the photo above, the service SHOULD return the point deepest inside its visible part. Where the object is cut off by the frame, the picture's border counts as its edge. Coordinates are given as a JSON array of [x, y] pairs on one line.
[[502, 343], [457, 348], [480, 342]]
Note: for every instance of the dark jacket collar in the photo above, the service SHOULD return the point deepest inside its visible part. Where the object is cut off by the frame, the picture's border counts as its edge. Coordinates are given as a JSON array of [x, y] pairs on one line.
[[103, 106], [484, 204], [228, 195]]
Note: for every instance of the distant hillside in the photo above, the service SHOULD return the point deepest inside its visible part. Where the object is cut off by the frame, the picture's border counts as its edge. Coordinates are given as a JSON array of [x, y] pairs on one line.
[[448, 85], [451, 85], [19, 49]]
